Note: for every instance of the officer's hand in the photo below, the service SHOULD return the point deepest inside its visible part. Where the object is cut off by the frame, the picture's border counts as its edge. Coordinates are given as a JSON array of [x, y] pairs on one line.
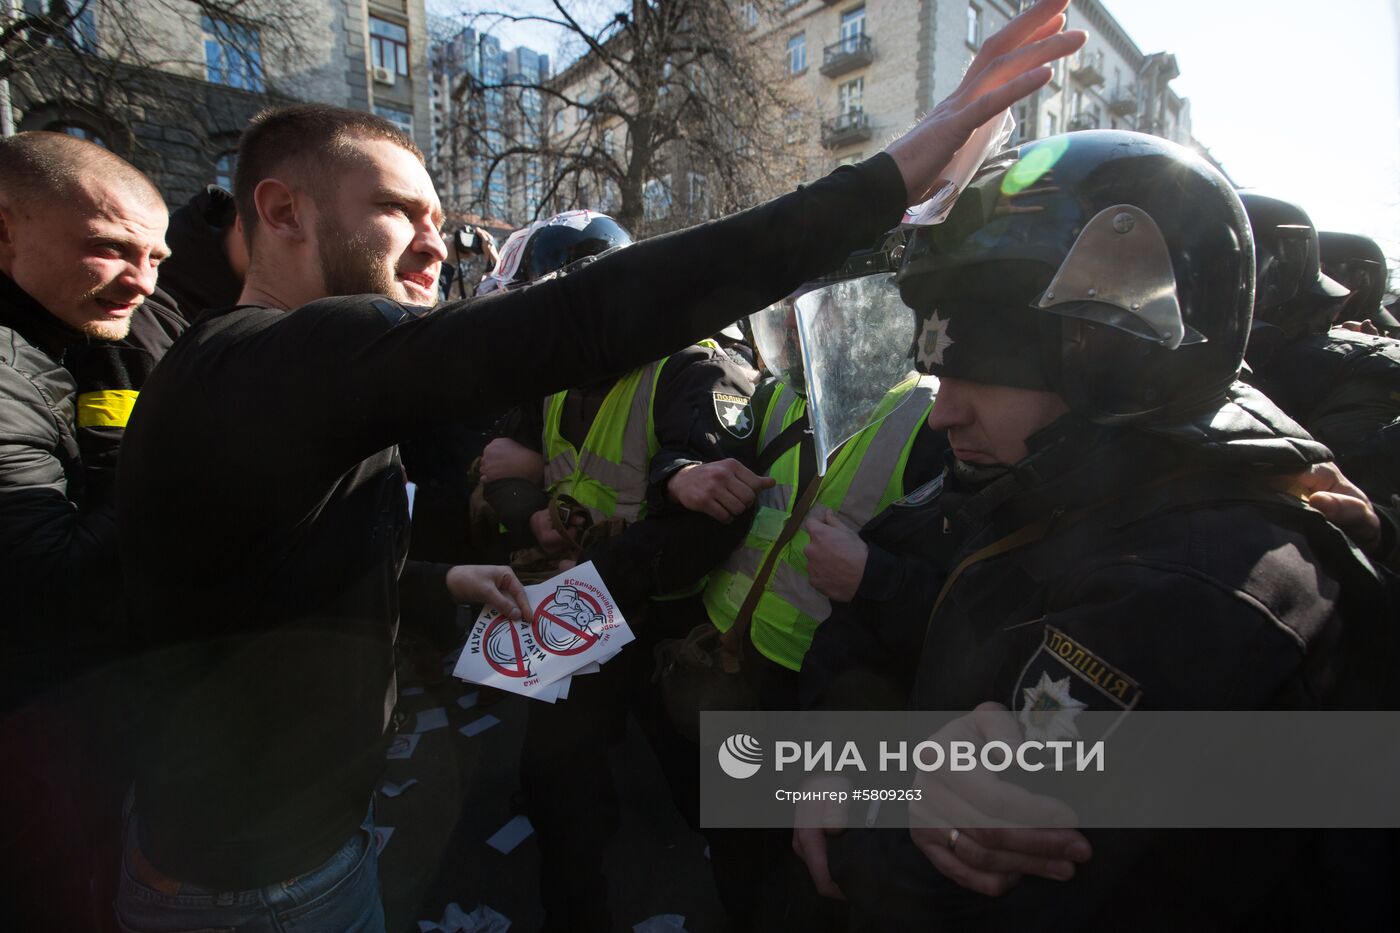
[[503, 458], [547, 538], [835, 557], [991, 861], [723, 490], [495, 587], [1341, 502], [814, 820], [1360, 327], [1010, 65]]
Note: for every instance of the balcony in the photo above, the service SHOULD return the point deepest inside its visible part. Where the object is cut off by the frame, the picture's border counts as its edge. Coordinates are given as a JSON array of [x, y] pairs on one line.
[[847, 55], [848, 128], [1088, 69], [1083, 121], [1123, 103]]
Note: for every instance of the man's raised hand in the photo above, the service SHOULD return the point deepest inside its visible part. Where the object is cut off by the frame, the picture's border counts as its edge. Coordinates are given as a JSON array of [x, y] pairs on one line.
[[1011, 64]]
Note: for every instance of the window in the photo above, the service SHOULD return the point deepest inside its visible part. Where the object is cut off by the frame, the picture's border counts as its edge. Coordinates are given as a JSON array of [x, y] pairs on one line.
[[403, 119], [974, 25], [1052, 124], [232, 54], [388, 45], [82, 31], [1057, 72], [224, 167], [852, 28], [80, 132], [748, 16], [850, 97], [797, 54], [699, 193], [792, 122], [1077, 107], [656, 198]]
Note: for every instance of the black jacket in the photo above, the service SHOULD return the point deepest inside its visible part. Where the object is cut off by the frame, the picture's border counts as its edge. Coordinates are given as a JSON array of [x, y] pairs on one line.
[[1344, 388], [1191, 584], [59, 562], [264, 581]]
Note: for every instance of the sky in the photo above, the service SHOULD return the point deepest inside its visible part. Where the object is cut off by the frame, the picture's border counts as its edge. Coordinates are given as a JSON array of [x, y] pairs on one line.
[[1299, 99]]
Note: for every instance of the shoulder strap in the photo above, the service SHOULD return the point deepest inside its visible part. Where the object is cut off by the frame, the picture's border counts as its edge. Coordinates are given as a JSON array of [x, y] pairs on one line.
[[785, 441], [731, 642]]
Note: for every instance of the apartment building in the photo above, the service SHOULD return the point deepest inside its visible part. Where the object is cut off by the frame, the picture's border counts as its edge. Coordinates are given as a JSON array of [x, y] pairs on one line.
[[870, 68], [171, 88], [483, 97]]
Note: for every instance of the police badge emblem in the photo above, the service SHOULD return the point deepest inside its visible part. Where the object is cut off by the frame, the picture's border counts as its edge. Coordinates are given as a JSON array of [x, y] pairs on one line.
[[734, 413]]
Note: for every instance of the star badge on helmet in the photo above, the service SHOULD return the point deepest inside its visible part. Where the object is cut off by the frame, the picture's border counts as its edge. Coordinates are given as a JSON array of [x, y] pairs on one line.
[[934, 342]]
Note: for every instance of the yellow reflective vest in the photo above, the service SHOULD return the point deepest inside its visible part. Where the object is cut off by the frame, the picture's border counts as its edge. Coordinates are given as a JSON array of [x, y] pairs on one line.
[[865, 476]]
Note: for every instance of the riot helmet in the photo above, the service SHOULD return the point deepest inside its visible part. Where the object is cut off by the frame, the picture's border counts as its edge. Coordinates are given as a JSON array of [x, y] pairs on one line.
[[1111, 267], [564, 242], [1358, 263], [1291, 292]]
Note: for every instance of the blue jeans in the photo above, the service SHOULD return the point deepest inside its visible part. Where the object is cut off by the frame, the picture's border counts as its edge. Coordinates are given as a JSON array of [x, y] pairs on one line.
[[339, 896]]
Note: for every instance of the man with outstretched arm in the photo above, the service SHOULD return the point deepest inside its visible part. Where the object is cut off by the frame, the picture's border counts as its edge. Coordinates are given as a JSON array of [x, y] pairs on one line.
[[266, 583]]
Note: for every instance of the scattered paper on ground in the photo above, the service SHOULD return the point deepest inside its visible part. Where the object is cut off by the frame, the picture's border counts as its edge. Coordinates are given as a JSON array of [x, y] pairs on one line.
[[454, 920], [575, 624], [390, 789], [402, 745], [477, 726], [469, 700], [511, 835], [430, 719]]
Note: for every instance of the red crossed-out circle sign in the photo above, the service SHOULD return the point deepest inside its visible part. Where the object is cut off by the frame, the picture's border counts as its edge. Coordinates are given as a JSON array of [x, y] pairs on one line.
[[502, 648], [575, 639]]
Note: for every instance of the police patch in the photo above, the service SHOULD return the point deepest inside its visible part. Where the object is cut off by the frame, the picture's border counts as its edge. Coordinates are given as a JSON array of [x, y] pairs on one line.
[[1061, 680], [735, 414], [924, 494]]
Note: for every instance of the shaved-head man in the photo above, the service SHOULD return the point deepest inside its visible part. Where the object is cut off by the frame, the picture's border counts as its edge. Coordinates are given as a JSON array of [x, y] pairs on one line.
[[81, 235]]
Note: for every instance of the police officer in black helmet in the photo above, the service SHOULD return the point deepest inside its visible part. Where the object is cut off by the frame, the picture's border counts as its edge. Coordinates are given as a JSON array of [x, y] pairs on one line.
[[1086, 307], [1342, 385], [1358, 263]]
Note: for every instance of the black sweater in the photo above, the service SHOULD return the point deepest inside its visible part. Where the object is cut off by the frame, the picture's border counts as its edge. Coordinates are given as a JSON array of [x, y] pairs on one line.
[[263, 513]]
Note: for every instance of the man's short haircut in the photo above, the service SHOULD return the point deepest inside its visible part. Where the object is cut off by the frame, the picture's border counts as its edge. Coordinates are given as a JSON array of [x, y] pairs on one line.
[[41, 167], [307, 139]]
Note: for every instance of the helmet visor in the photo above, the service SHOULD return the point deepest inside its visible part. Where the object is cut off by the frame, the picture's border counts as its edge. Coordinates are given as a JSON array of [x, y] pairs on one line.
[[855, 340]]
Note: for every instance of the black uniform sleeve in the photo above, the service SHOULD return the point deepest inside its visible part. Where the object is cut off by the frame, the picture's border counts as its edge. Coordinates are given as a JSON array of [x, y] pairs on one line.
[[863, 656], [352, 376], [688, 418], [524, 424], [673, 550]]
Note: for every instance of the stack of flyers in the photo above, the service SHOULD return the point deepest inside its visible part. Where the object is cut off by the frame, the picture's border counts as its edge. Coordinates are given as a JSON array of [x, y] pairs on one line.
[[575, 628]]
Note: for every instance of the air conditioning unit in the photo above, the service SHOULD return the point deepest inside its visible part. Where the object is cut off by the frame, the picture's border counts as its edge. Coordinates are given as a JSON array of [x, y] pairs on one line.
[[384, 75]]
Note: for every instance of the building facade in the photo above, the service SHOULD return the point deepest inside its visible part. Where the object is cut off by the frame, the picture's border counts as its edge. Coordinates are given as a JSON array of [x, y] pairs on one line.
[[170, 87], [871, 68], [484, 101]]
